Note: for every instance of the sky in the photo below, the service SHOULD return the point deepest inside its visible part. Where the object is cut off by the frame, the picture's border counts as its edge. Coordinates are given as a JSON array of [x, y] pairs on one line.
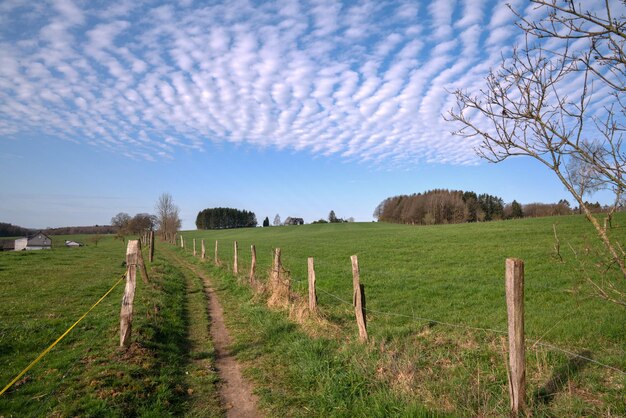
[[285, 107]]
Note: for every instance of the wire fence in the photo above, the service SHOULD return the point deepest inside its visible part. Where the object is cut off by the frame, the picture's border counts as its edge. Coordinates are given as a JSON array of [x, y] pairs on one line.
[[531, 342], [51, 346]]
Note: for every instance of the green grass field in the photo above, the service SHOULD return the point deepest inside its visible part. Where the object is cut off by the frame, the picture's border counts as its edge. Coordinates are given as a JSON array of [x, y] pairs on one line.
[[428, 289], [436, 319], [86, 374]]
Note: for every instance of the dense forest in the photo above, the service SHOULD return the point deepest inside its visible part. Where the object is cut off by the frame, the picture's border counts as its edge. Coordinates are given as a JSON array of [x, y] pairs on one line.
[[455, 206], [223, 218], [440, 207]]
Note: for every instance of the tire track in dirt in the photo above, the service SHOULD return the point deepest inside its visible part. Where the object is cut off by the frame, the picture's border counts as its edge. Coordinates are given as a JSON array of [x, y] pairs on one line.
[[236, 393]]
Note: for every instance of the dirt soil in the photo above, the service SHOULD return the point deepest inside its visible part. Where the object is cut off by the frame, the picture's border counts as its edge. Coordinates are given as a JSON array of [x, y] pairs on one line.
[[236, 393]]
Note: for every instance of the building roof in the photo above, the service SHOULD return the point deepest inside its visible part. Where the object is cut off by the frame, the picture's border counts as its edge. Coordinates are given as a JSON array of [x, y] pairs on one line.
[[35, 234]]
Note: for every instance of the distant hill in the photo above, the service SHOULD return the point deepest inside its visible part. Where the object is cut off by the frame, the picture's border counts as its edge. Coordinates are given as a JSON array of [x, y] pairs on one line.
[[73, 230], [10, 230]]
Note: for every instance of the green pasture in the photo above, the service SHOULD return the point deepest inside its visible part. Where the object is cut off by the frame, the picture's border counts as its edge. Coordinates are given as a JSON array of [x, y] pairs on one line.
[[436, 310], [86, 374]]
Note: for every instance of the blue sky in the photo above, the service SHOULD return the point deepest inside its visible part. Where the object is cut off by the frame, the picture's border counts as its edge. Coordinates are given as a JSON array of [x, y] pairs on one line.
[[284, 107]]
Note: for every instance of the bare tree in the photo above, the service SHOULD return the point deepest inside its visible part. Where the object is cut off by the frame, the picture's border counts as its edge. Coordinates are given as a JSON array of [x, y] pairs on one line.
[[168, 218], [277, 220], [121, 220], [549, 101]]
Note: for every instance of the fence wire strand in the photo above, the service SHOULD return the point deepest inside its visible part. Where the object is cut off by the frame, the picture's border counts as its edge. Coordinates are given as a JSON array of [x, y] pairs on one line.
[[532, 343], [47, 350], [535, 343]]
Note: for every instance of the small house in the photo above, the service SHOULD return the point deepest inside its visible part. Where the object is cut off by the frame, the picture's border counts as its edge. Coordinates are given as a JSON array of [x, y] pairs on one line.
[[294, 221], [37, 241]]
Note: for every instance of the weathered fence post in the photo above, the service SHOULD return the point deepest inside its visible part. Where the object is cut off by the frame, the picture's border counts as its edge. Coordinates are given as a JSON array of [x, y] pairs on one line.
[[194, 247], [359, 299], [279, 283], [144, 272], [126, 313], [217, 260], [252, 263], [151, 253], [182, 242], [235, 266], [276, 266], [203, 253], [515, 311], [312, 294]]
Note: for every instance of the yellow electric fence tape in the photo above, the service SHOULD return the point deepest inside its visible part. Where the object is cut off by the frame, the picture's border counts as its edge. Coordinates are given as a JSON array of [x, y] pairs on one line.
[[23, 372]]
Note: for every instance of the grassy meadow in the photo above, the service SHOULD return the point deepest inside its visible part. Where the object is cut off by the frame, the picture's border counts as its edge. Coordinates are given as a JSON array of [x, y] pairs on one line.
[[436, 310], [86, 374]]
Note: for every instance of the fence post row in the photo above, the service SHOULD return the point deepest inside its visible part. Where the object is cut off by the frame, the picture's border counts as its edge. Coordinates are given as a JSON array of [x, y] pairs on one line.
[[514, 283], [253, 263], [235, 266], [359, 299], [312, 294], [203, 253], [126, 312]]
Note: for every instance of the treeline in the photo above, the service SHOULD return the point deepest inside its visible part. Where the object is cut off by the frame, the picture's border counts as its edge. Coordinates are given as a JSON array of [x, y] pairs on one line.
[[224, 218], [75, 230], [455, 206], [10, 230], [440, 207]]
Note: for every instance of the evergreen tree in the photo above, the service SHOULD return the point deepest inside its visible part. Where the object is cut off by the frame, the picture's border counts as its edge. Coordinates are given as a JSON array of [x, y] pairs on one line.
[[223, 218], [516, 210], [266, 222]]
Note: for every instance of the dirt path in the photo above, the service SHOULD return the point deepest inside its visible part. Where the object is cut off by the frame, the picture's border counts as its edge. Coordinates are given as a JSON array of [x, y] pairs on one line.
[[235, 392]]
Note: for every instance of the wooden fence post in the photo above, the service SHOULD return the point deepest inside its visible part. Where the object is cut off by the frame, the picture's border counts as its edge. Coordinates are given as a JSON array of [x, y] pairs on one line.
[[515, 311], [203, 253], [253, 263], [359, 299], [142, 265], [276, 266], [217, 260], [235, 264], [312, 294], [194, 247], [151, 253], [279, 283], [182, 242], [126, 313]]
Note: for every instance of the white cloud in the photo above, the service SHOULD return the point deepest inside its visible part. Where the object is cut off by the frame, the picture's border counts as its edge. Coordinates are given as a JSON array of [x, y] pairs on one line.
[[69, 12], [366, 81]]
